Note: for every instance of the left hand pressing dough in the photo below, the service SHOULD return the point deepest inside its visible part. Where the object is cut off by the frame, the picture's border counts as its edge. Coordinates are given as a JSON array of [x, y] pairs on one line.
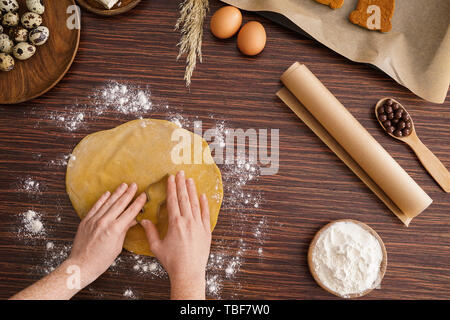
[[138, 151]]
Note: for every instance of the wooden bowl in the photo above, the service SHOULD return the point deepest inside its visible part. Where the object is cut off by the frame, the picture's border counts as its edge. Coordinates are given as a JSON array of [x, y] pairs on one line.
[[382, 267], [120, 7], [31, 78]]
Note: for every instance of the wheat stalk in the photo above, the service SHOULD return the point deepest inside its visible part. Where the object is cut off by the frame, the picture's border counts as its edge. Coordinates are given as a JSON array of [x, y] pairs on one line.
[[190, 24]]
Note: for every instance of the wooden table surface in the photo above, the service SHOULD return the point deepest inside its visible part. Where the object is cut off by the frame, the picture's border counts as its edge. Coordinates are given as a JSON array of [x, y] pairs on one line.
[[312, 187]]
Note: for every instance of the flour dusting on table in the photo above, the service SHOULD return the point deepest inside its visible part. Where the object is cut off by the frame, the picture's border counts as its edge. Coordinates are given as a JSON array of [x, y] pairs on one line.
[[32, 226]]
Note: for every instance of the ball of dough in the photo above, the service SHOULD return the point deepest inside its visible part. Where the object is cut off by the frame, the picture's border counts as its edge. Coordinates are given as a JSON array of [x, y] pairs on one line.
[[18, 34], [39, 36], [31, 20], [6, 44], [9, 6], [6, 62], [36, 6], [11, 19], [24, 51], [140, 151]]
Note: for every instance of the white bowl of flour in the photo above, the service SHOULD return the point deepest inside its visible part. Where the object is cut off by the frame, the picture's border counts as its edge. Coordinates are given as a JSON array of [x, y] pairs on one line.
[[347, 258]]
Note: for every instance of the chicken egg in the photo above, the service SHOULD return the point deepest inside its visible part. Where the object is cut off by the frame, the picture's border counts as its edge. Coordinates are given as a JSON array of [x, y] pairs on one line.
[[252, 38], [226, 22]]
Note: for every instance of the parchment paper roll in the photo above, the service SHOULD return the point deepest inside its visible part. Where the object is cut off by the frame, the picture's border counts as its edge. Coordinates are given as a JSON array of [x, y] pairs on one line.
[[356, 141]]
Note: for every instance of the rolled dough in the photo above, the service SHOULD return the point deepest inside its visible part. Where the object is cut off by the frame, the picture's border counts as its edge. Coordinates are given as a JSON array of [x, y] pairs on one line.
[[138, 151]]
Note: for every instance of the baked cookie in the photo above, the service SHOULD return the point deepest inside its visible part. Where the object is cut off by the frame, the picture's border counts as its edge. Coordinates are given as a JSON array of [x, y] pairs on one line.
[[374, 14], [334, 4]]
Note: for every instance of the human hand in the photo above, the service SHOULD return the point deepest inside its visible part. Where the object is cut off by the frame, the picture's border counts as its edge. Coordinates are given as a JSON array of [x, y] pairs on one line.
[[101, 233], [185, 249]]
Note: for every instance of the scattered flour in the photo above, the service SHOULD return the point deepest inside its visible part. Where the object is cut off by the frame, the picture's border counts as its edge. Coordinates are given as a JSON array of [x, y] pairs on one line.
[[32, 225], [123, 98], [29, 185], [128, 293], [55, 254]]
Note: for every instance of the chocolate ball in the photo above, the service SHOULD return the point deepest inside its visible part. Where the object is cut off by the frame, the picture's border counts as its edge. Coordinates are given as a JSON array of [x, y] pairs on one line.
[[380, 110], [406, 132], [401, 125], [382, 117], [398, 133], [388, 109], [390, 129], [390, 116]]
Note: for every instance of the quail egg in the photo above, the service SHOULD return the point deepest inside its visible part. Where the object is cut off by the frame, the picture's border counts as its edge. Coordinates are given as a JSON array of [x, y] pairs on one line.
[[6, 44], [9, 6], [31, 20], [10, 19], [36, 6], [39, 36], [18, 34], [24, 51], [6, 62]]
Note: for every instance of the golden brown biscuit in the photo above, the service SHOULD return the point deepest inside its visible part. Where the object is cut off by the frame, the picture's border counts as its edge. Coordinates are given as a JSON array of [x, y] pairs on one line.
[[334, 4], [374, 14]]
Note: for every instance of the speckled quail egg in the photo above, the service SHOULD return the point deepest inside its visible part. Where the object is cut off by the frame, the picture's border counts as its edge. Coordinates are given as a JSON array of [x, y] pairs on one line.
[[9, 6], [31, 20], [6, 62], [11, 19], [6, 44], [24, 51], [18, 34], [39, 36], [36, 6]]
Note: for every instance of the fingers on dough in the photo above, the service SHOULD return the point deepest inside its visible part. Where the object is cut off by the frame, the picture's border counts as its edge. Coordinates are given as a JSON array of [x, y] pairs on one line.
[[205, 212], [128, 217], [172, 199], [100, 202], [193, 198], [112, 200], [183, 196]]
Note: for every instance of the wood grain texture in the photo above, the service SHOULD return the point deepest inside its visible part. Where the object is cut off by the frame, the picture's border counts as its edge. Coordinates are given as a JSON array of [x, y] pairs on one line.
[[312, 187], [35, 76]]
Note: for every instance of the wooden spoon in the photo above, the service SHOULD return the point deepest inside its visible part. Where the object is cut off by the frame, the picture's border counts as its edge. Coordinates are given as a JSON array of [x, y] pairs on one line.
[[383, 265], [431, 163]]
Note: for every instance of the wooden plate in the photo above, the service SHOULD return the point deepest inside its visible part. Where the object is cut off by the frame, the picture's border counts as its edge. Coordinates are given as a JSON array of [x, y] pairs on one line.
[[365, 227], [120, 7], [31, 78]]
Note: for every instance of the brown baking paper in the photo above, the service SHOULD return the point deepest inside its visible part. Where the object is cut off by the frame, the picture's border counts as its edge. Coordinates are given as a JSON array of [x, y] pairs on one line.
[[415, 53], [335, 125]]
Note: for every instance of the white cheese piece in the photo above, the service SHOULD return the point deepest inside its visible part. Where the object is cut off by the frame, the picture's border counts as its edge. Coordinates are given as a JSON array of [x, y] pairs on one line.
[[108, 4]]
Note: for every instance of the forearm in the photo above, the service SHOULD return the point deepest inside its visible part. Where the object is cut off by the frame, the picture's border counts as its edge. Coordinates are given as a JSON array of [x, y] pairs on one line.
[[62, 284], [188, 289]]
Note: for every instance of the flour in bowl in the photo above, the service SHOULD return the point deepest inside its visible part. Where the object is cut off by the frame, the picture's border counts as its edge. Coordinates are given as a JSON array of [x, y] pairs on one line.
[[347, 259]]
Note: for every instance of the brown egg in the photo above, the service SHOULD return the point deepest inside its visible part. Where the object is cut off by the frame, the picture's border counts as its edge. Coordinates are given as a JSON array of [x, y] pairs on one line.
[[252, 38], [226, 22]]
